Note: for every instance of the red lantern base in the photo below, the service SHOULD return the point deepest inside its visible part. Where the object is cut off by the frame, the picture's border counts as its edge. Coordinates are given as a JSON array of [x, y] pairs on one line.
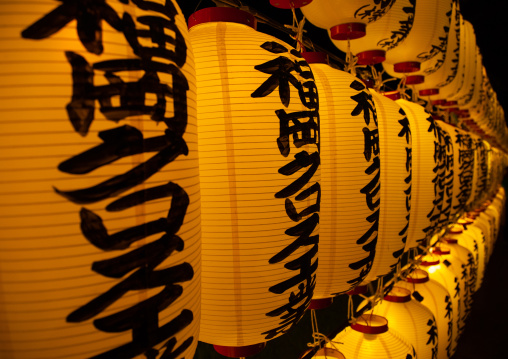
[[371, 324], [222, 14], [371, 57], [415, 80], [405, 67], [320, 303], [315, 57], [429, 92], [418, 276], [289, 4], [392, 95], [348, 31], [398, 295], [438, 102], [238, 352]]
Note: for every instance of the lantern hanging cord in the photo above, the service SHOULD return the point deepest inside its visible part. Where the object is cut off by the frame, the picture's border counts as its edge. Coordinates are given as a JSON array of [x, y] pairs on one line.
[[320, 340], [351, 60], [297, 28]]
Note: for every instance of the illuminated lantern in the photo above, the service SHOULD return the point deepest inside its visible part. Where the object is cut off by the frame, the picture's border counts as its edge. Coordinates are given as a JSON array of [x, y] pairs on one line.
[[395, 145], [461, 144], [259, 175], [450, 73], [350, 173], [410, 318], [383, 34], [100, 221], [426, 39], [423, 196], [449, 272], [482, 153], [473, 239], [437, 299], [371, 337], [327, 353], [345, 19]]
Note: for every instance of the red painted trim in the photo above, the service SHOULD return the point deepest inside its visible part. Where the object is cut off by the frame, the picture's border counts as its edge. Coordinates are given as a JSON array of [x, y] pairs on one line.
[[350, 30], [222, 14], [237, 352]]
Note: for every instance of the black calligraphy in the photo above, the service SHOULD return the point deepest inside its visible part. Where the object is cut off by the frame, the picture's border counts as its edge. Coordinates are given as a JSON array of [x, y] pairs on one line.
[[296, 129]]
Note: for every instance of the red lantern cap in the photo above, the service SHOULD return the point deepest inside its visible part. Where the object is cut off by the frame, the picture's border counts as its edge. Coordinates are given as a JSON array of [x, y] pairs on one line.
[[450, 103], [315, 57], [429, 92], [371, 57], [456, 231], [289, 4], [238, 352], [449, 240], [371, 324], [414, 79], [410, 66], [441, 251], [369, 83], [430, 260], [222, 14], [348, 31], [392, 95], [320, 303], [438, 102], [418, 276], [398, 295]]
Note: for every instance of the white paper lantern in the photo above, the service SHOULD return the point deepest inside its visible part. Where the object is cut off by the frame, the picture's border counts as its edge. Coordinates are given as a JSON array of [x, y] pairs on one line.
[[396, 146], [424, 218], [371, 337], [345, 19], [448, 271], [411, 319], [259, 164], [100, 220], [427, 38], [350, 185], [382, 35], [437, 299]]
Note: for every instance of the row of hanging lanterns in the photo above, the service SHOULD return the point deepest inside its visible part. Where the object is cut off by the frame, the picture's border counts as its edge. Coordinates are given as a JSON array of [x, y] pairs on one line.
[[215, 206]]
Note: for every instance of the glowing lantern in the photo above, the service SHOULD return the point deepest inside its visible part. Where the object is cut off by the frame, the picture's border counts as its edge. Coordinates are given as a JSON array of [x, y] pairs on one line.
[[448, 271], [410, 318], [350, 168], [423, 195], [101, 160], [395, 145], [473, 239], [463, 167], [370, 337], [437, 299], [426, 39], [383, 34], [259, 176], [345, 19]]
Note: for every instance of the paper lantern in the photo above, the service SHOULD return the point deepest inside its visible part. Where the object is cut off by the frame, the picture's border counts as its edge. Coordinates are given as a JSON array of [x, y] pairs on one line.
[[453, 254], [449, 272], [395, 145], [383, 34], [259, 171], [372, 336], [424, 217], [350, 186], [326, 353], [411, 319], [100, 224], [447, 72], [345, 19], [427, 38], [462, 166], [473, 239], [437, 299]]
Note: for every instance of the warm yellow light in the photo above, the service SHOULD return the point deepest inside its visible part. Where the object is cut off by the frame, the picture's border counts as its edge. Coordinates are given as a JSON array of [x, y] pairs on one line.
[[100, 214]]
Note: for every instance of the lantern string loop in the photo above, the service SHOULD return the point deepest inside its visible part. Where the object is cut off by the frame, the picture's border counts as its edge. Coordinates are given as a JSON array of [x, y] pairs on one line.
[[351, 60], [297, 28]]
